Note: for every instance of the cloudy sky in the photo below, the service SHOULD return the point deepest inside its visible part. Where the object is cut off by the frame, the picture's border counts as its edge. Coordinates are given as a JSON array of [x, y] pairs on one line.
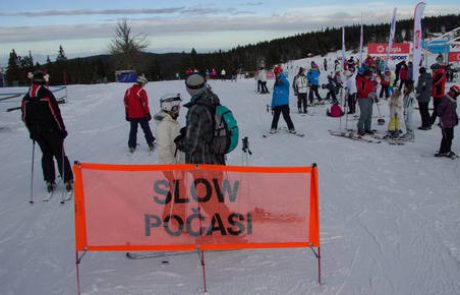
[[86, 27]]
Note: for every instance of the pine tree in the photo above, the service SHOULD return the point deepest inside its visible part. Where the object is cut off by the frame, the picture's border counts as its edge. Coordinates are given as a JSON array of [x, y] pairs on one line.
[[13, 73], [61, 55], [27, 63]]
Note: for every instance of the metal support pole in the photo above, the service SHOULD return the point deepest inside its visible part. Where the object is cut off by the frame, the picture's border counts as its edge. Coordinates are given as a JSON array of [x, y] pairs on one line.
[[77, 272], [31, 201], [203, 267]]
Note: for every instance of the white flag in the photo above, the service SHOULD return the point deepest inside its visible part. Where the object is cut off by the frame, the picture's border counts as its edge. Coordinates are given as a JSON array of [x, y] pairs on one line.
[[418, 36], [343, 48], [361, 41], [392, 36]]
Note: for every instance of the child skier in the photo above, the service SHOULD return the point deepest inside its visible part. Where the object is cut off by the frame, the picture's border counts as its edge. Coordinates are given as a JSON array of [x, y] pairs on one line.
[[408, 104], [394, 126], [447, 113], [168, 153], [168, 129], [299, 85]]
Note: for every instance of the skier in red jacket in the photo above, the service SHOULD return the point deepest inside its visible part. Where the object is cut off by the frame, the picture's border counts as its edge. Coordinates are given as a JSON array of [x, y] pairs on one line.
[[437, 88], [138, 113]]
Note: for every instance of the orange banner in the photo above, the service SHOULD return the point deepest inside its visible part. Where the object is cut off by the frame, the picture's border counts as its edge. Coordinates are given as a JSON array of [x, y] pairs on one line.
[[182, 207]]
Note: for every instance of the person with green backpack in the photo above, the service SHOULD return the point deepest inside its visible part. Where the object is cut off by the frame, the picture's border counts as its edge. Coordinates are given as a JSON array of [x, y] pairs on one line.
[[211, 130]]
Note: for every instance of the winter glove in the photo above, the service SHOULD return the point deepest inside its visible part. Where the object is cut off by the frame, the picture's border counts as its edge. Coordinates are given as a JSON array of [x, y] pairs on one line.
[[63, 134], [149, 117], [180, 139]]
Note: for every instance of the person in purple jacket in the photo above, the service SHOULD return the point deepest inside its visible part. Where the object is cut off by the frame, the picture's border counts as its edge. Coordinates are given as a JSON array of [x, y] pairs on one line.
[[447, 113]]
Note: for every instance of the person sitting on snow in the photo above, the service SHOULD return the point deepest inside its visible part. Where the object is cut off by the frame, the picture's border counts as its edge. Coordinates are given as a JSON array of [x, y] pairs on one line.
[[335, 110]]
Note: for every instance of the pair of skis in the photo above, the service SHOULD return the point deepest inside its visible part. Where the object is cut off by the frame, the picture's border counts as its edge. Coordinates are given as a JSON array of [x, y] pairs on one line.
[[283, 130], [65, 195], [152, 255], [355, 136]]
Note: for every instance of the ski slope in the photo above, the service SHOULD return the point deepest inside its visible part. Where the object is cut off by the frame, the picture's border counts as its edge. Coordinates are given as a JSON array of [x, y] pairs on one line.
[[390, 215]]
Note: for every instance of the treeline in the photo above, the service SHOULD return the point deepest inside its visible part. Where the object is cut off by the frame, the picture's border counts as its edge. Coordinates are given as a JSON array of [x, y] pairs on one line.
[[97, 69]]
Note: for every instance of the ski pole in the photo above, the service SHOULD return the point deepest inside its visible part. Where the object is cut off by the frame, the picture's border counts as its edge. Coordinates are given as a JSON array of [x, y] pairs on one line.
[[346, 105], [63, 172], [32, 174], [380, 120]]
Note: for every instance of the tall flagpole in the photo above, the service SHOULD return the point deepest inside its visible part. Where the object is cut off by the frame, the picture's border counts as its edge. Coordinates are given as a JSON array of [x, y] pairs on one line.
[[392, 36], [343, 48], [417, 41], [361, 41]]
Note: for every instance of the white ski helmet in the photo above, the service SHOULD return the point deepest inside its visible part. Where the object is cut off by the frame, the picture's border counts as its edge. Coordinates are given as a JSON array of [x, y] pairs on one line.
[[170, 102]]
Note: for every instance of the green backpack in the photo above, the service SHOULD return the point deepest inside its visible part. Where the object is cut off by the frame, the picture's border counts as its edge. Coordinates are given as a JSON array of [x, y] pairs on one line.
[[226, 131]]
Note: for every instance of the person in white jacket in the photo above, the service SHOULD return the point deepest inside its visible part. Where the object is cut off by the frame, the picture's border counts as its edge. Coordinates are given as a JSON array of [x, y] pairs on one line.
[[408, 105], [262, 77], [300, 86], [168, 129], [351, 91]]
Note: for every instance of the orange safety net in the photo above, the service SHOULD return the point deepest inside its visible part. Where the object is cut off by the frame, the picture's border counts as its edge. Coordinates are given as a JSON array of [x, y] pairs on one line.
[[182, 207]]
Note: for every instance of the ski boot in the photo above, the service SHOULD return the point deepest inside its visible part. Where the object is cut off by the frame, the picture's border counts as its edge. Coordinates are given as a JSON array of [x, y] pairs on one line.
[[68, 186], [50, 186], [451, 155]]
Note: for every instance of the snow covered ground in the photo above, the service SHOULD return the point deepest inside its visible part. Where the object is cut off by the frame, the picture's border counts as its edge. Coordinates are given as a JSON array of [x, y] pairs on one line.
[[390, 215]]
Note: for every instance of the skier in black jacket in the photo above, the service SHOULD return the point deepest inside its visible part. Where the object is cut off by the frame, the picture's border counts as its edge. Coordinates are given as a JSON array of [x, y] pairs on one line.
[[41, 114]]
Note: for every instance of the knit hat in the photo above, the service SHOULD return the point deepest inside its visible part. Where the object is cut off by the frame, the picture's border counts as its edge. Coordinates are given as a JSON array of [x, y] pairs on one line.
[[278, 70], [38, 77], [195, 84], [142, 79], [454, 91]]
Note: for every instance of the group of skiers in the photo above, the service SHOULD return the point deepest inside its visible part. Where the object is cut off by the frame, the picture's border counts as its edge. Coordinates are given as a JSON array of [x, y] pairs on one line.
[[361, 86], [191, 144], [214, 74]]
